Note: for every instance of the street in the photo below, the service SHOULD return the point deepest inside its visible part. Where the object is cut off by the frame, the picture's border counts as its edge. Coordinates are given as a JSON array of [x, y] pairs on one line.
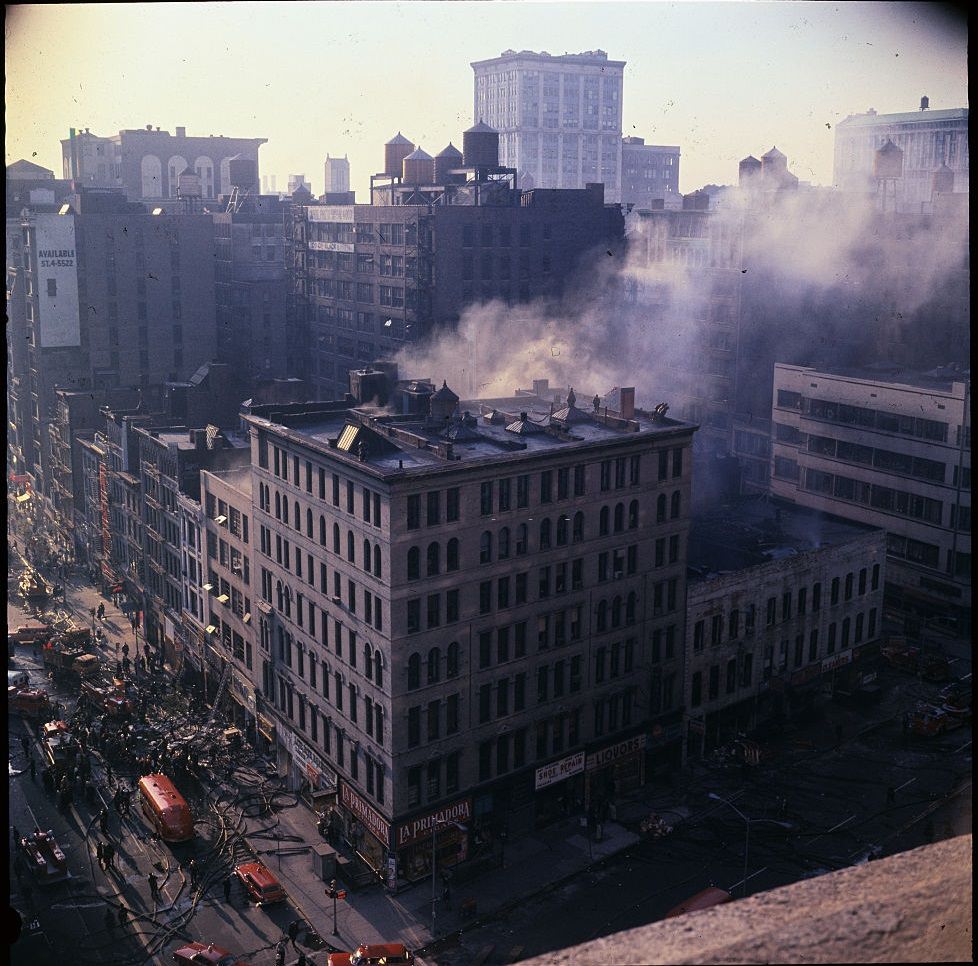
[[837, 810], [243, 797]]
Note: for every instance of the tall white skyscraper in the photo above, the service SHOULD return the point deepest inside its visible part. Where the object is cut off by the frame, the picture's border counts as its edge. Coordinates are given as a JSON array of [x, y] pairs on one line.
[[337, 171], [558, 118]]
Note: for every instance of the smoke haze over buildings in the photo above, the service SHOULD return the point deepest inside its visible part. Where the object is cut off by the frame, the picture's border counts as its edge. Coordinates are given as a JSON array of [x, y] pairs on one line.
[[823, 278]]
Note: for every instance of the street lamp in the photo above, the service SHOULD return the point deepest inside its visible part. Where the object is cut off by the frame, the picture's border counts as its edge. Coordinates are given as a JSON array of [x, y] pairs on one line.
[[718, 798]]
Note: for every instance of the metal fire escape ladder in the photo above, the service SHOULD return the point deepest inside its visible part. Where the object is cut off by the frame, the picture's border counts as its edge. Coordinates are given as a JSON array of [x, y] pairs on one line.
[[222, 688]]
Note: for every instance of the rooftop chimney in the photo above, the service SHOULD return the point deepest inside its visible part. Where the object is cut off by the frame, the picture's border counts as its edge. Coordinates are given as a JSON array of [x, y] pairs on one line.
[[627, 402], [181, 132], [924, 102]]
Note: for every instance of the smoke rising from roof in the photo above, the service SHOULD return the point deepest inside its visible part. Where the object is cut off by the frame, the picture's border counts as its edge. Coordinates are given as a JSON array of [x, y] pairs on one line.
[[816, 277]]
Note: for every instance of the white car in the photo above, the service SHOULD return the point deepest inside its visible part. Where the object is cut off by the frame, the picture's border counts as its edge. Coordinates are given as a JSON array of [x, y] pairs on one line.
[[18, 679]]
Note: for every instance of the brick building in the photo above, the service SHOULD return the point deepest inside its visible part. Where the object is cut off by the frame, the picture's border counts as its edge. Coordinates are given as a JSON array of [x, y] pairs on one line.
[[460, 606]]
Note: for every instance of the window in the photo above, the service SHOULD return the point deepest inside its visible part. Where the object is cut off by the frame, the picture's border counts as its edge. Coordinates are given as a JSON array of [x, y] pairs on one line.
[[696, 696], [485, 547], [452, 504], [434, 559], [660, 508], [485, 498], [414, 672], [413, 510], [413, 563]]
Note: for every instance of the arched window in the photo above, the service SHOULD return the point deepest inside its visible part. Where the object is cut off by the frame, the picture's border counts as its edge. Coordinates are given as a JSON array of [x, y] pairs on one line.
[[368, 662], [434, 665], [503, 543], [602, 615], [603, 521], [563, 525], [204, 169], [633, 515], [485, 547], [660, 508], [309, 523], [434, 559], [336, 538], [350, 547], [578, 529], [451, 664], [366, 555], [414, 672], [451, 555], [175, 167], [521, 539], [322, 530], [378, 669], [630, 607], [545, 533], [377, 572], [414, 564], [279, 597], [278, 506], [151, 172], [675, 505], [297, 516], [619, 517], [616, 612]]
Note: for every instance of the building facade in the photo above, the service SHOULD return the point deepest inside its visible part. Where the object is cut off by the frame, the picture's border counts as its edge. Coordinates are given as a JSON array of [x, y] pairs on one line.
[[109, 297], [251, 288], [366, 279], [558, 118], [782, 603], [475, 616], [930, 141], [890, 448], [146, 164], [649, 174]]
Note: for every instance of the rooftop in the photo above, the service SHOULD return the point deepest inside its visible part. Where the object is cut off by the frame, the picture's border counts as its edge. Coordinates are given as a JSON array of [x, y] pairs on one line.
[[908, 117], [911, 907], [479, 430], [942, 378], [754, 531]]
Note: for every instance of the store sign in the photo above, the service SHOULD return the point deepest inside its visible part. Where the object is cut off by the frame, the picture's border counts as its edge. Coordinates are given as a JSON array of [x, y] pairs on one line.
[[307, 760], [557, 771], [420, 827], [805, 675], [606, 756], [372, 820], [392, 870], [837, 660]]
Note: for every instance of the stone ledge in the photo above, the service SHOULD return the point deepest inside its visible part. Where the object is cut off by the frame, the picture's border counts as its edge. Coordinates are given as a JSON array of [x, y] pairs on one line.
[[911, 907]]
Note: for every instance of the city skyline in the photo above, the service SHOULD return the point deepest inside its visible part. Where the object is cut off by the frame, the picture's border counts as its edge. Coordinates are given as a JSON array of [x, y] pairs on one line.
[[816, 64]]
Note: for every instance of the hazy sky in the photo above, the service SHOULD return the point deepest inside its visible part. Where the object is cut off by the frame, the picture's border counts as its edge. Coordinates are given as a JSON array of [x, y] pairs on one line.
[[721, 80]]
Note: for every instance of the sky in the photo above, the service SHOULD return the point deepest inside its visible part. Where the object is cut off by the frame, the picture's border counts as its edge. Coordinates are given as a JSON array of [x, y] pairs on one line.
[[720, 79]]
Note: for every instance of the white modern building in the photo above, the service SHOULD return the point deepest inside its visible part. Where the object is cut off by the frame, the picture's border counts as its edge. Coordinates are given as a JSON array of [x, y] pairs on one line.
[[337, 174], [558, 118], [931, 141], [890, 448]]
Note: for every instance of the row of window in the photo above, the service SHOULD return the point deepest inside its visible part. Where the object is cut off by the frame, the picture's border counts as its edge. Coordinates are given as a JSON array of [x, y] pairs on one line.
[[332, 740], [371, 559], [883, 498], [369, 500], [851, 585], [864, 624]]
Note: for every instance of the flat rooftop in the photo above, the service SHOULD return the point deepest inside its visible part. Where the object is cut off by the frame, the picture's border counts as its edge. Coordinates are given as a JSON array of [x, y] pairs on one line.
[[755, 530], [941, 379], [480, 431]]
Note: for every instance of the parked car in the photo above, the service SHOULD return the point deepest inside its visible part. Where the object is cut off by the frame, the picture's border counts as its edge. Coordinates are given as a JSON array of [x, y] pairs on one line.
[[260, 882], [373, 954], [205, 954], [46, 860]]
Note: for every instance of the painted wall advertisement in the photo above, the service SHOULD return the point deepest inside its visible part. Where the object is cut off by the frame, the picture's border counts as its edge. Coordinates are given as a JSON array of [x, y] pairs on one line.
[[57, 281]]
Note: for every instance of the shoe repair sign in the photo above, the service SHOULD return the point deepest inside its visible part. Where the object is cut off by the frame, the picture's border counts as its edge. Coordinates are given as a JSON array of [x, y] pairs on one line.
[[557, 771]]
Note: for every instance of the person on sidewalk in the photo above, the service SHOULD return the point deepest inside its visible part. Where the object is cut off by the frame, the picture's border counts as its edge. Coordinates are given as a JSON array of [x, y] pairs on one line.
[[103, 820], [293, 931], [154, 885], [280, 953], [100, 856], [108, 853]]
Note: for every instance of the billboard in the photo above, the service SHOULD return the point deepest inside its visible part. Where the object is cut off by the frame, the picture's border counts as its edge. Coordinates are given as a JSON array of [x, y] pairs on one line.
[[56, 282]]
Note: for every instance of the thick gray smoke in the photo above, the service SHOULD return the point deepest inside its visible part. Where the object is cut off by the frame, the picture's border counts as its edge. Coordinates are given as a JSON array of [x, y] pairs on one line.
[[815, 277]]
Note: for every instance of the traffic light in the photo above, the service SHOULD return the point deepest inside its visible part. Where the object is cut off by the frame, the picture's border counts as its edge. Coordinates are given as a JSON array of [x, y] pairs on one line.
[[334, 893]]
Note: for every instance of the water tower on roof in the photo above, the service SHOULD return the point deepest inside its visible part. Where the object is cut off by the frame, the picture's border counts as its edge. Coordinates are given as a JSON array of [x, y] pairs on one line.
[[419, 168], [446, 160], [480, 146], [888, 170], [395, 151]]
